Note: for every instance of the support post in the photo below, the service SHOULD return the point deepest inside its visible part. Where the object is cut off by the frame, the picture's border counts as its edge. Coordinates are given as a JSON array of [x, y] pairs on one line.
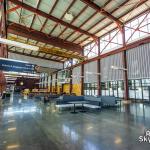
[[98, 77], [99, 70], [3, 29], [126, 89], [51, 85], [70, 82], [56, 84], [70, 89], [82, 79]]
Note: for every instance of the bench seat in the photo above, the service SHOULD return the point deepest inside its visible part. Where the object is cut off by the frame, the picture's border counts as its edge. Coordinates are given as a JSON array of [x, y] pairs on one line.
[[92, 106], [68, 105], [78, 105]]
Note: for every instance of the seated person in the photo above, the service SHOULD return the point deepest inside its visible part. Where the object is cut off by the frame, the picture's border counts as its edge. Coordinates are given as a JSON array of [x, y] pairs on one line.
[[73, 94], [46, 99]]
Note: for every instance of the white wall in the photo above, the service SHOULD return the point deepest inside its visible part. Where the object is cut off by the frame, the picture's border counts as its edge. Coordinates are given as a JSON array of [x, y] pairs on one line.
[[90, 67], [138, 62], [77, 73], [108, 74], [37, 61]]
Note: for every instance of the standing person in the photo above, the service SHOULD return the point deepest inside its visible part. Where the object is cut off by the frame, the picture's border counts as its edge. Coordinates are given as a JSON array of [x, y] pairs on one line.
[[0, 99], [3, 97]]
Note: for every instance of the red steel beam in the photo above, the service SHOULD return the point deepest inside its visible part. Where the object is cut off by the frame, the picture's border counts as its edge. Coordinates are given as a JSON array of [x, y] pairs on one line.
[[41, 37], [102, 11], [100, 21], [139, 4], [94, 14], [84, 8], [45, 15], [107, 3], [13, 9], [127, 47], [53, 7], [63, 16], [38, 4]]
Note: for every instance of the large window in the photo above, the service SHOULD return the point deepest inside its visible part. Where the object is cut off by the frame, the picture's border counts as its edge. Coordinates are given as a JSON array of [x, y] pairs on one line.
[[139, 89], [91, 50], [113, 88], [134, 30], [75, 61], [138, 28], [67, 63], [90, 89], [110, 41]]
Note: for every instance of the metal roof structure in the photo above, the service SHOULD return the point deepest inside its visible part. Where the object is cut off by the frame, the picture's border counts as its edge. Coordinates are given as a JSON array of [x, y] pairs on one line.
[[43, 23]]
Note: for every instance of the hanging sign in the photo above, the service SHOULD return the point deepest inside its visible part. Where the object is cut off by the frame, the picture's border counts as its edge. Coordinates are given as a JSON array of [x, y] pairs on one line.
[[16, 66]]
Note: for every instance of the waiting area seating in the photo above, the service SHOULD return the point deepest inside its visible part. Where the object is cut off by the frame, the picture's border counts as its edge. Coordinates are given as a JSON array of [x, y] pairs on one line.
[[108, 101], [91, 101]]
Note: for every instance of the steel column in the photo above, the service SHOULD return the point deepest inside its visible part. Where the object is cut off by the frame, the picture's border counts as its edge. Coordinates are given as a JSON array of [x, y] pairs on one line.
[[99, 70], [126, 89], [51, 85], [56, 83], [70, 88], [3, 29], [82, 79]]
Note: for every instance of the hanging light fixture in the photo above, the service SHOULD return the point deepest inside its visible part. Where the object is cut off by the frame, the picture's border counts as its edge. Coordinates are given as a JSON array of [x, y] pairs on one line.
[[69, 16], [21, 83]]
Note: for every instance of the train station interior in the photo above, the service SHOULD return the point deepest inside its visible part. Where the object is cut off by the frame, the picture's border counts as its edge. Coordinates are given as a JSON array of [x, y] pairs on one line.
[[74, 74]]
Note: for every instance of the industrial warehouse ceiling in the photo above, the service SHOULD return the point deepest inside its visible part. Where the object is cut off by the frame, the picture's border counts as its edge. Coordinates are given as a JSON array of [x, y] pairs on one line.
[[44, 23]]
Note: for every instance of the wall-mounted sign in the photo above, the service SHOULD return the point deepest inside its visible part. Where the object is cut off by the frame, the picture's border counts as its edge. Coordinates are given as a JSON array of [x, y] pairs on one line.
[[16, 66]]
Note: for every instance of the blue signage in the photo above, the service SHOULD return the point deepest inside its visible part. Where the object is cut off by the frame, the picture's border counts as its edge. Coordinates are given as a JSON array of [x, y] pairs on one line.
[[16, 66]]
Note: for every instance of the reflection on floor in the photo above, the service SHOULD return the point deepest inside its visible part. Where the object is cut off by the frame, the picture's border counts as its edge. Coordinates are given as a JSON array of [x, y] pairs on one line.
[[29, 125]]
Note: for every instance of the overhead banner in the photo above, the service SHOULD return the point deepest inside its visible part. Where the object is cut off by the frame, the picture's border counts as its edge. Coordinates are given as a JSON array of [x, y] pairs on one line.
[[16, 66]]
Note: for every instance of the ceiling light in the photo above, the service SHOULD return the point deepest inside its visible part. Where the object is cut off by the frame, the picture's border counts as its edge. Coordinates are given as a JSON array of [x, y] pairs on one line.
[[69, 16], [118, 68], [13, 146], [10, 121], [93, 73], [76, 76], [18, 44], [11, 129]]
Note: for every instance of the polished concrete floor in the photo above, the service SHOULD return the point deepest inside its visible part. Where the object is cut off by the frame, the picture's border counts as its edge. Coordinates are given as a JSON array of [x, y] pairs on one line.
[[29, 125]]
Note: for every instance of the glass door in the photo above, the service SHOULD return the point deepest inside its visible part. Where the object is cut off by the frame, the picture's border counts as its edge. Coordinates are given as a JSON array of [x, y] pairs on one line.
[[103, 88], [146, 89], [138, 89], [115, 88], [120, 89], [107, 88], [132, 93], [111, 93]]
